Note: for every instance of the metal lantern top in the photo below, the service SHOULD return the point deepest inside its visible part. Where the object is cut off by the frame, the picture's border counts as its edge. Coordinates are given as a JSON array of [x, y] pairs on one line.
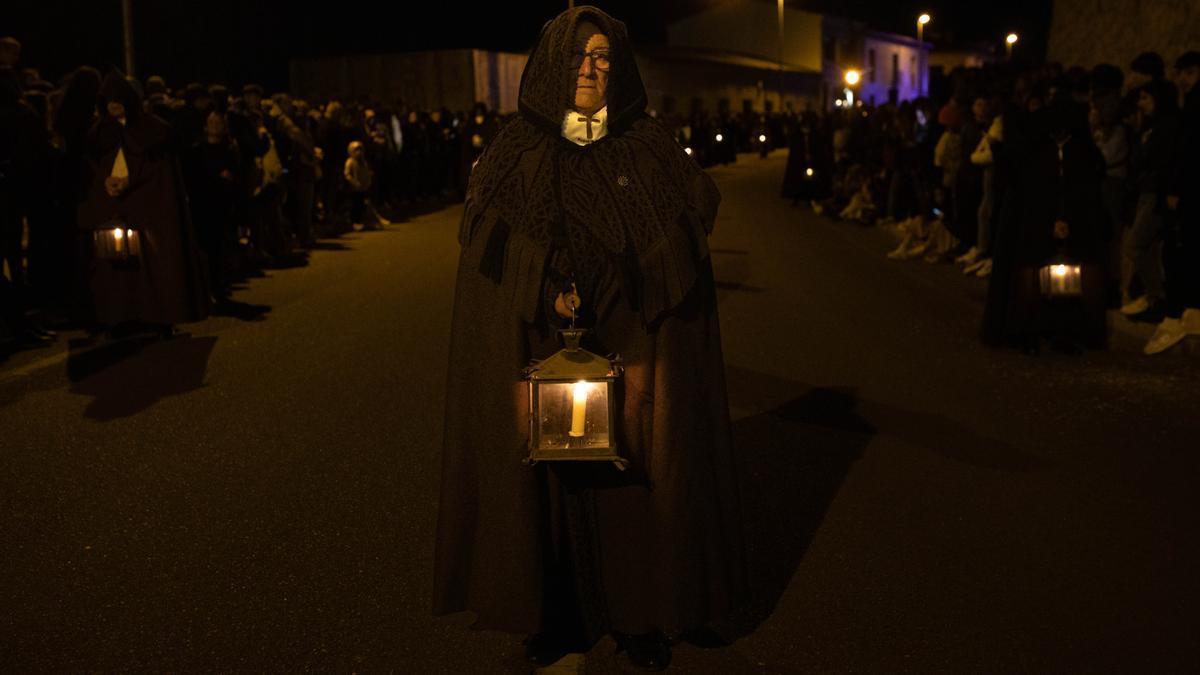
[[573, 362]]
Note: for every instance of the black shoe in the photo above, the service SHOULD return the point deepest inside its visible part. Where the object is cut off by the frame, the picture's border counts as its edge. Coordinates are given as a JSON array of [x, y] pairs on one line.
[[543, 649], [650, 651], [1153, 314]]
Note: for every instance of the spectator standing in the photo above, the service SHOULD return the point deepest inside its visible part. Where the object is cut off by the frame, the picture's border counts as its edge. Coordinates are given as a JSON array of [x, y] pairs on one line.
[[1182, 214], [359, 178], [1158, 106], [210, 168]]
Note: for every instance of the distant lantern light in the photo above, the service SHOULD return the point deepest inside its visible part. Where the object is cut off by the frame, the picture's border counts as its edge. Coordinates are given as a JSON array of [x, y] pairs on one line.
[[923, 19], [762, 138], [838, 102], [808, 172], [1011, 39], [852, 77], [720, 138], [688, 150]]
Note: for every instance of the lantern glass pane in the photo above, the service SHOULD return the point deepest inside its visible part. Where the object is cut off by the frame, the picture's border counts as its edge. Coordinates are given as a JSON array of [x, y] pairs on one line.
[[1059, 280], [572, 415]]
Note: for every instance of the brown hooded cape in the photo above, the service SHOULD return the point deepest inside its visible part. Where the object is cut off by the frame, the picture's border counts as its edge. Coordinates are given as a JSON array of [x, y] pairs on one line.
[[171, 284], [658, 546]]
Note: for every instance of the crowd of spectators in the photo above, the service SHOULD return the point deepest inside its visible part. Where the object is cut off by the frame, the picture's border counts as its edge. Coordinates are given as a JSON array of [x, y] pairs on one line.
[[1017, 167], [1011, 169], [215, 184]]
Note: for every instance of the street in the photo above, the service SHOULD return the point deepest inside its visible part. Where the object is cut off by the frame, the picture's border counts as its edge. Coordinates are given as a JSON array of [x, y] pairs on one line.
[[261, 494]]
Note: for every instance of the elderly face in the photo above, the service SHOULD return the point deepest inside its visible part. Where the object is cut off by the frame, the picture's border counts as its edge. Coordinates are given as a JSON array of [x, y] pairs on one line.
[[591, 86]]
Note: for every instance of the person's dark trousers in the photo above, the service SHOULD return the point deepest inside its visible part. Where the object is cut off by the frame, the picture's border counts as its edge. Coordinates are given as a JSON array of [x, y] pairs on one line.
[[358, 207], [968, 196], [300, 200], [1181, 259], [11, 229]]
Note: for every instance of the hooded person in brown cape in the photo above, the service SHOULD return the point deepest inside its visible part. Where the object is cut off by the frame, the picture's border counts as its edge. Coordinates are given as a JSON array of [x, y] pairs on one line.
[[136, 182], [583, 190]]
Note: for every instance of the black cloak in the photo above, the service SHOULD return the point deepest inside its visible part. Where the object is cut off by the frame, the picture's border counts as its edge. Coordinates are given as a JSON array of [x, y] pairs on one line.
[[626, 217], [1047, 186], [170, 286]]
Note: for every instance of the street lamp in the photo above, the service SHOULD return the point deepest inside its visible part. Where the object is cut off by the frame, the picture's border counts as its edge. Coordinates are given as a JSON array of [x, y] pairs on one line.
[[852, 77], [1009, 41], [921, 21]]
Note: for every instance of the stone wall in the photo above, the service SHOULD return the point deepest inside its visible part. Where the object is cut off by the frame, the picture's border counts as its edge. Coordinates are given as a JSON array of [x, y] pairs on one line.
[[1088, 32]]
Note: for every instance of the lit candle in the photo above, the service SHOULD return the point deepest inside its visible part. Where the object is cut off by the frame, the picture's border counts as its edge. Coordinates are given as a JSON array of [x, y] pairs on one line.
[[579, 411]]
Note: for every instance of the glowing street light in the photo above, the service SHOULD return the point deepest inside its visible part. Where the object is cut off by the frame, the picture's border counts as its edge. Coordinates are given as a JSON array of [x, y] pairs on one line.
[[1009, 41], [921, 21], [852, 77]]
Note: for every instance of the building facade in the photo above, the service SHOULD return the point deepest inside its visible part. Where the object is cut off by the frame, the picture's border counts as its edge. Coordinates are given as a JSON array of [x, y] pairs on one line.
[[454, 78], [1089, 32]]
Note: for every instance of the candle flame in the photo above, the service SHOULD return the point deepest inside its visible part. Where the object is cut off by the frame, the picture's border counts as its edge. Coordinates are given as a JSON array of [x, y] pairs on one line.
[[1059, 270], [118, 233], [808, 172]]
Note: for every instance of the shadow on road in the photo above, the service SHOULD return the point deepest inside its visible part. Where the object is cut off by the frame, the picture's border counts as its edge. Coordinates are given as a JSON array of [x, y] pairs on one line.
[[794, 459], [126, 377], [241, 310]]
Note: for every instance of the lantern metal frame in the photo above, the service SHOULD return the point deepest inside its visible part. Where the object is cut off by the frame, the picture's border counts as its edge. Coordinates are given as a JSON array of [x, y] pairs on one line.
[[571, 365]]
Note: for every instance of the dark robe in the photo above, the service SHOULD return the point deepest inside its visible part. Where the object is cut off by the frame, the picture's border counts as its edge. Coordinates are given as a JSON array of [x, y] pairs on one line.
[[1044, 189], [526, 548], [170, 285], [808, 148]]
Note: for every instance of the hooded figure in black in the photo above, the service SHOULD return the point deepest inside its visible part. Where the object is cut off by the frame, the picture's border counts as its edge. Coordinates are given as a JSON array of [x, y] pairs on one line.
[[169, 286], [607, 202], [810, 161], [1053, 208]]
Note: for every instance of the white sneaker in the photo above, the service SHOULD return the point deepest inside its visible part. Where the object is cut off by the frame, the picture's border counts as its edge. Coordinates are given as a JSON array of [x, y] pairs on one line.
[[1168, 334], [968, 258], [985, 270], [974, 267], [1135, 306], [1191, 321]]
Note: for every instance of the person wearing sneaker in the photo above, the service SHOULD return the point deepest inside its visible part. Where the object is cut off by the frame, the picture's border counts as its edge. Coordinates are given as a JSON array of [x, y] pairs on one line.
[[569, 551], [1158, 104], [1181, 258]]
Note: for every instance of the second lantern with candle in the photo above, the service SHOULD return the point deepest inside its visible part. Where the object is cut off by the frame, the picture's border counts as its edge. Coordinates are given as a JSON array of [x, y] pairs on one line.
[[572, 405]]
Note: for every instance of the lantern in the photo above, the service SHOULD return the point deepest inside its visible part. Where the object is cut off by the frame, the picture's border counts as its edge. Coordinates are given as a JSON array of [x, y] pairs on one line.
[[1061, 278], [572, 405], [116, 242]]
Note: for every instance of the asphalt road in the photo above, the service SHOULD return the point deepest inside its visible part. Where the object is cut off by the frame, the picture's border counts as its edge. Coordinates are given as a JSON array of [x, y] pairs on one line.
[[261, 494]]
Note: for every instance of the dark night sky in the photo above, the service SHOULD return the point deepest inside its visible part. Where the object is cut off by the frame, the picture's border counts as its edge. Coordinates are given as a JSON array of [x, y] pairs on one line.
[[235, 41]]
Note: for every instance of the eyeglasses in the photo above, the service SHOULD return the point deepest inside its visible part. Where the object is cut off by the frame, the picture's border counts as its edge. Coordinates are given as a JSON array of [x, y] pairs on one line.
[[600, 60]]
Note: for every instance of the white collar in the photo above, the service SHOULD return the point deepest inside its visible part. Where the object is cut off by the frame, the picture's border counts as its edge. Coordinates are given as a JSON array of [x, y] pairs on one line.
[[582, 130]]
